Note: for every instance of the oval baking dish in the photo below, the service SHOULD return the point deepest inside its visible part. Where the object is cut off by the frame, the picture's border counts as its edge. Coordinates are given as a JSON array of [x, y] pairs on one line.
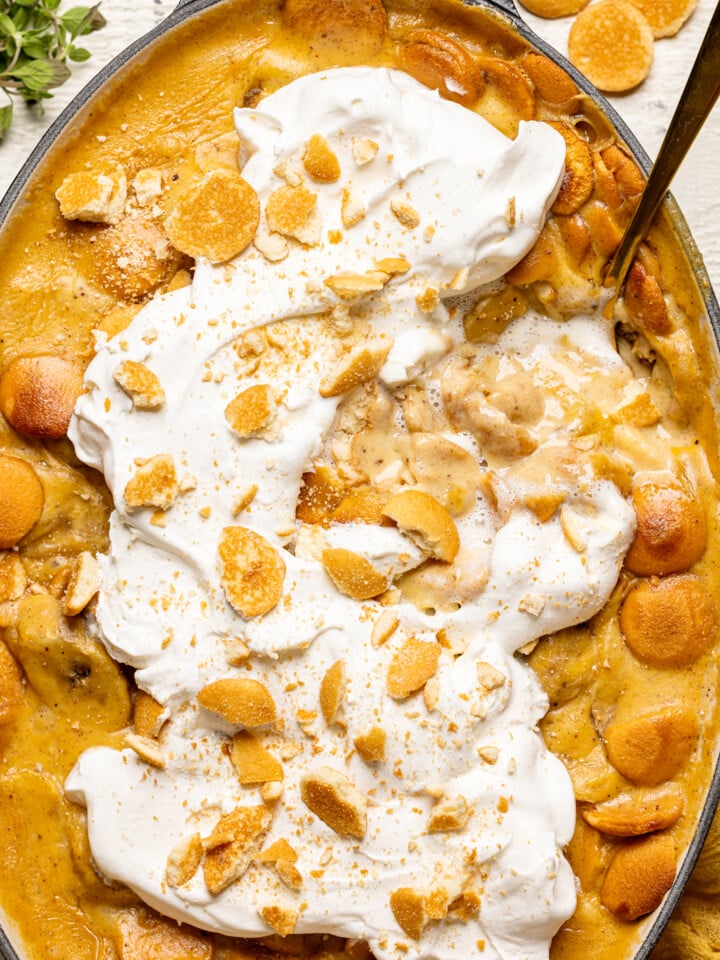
[[115, 80]]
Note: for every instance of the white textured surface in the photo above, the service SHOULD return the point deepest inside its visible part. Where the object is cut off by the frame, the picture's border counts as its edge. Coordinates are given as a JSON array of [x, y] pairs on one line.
[[647, 110]]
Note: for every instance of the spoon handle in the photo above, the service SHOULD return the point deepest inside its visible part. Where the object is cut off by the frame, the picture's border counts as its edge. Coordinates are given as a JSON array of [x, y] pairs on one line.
[[696, 101]]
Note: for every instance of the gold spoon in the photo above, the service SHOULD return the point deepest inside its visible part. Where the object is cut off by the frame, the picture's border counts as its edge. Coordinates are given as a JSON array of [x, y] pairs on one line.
[[696, 101]]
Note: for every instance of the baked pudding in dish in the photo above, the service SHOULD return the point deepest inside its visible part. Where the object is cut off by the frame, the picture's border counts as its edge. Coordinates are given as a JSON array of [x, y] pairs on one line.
[[358, 592]]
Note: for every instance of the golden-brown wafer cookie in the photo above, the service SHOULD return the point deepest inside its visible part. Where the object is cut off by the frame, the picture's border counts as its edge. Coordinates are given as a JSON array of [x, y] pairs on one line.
[[668, 622], [578, 179], [37, 395], [665, 16], [626, 172], [645, 301], [639, 812], [612, 44], [21, 500], [552, 9], [639, 876], [652, 747], [442, 64], [671, 530], [507, 96], [217, 218], [550, 81]]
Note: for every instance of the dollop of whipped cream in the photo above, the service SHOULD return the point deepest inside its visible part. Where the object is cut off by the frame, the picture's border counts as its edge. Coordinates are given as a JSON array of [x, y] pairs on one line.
[[499, 876]]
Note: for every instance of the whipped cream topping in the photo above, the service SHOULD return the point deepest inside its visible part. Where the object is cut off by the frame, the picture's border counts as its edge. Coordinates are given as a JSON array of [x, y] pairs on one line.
[[481, 201]]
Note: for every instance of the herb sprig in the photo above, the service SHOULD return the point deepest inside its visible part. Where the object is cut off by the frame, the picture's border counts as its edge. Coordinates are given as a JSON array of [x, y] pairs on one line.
[[36, 41]]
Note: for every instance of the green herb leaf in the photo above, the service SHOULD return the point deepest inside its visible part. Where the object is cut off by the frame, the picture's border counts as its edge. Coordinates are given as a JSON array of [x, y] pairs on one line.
[[41, 75], [6, 114], [36, 45], [34, 48], [7, 27], [83, 20], [78, 54], [21, 18]]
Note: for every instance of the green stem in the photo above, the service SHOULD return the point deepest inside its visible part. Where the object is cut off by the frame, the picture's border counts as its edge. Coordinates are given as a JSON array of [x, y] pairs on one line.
[[11, 66]]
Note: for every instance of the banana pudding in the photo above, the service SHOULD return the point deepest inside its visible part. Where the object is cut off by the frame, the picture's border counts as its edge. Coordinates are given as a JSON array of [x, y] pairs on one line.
[[370, 596]]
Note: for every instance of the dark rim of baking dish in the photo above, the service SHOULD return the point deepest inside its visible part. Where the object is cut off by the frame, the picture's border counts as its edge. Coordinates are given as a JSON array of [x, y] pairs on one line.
[[506, 10]]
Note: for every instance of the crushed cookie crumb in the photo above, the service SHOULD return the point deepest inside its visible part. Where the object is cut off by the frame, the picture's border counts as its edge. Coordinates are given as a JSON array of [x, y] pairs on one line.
[[272, 246], [405, 214], [352, 574], [183, 861], [640, 412], [148, 185], [290, 749], [384, 627], [351, 286], [532, 603], [364, 151], [289, 874], [451, 813], [466, 906], [187, 483], [251, 411], [93, 197], [232, 845], [292, 211], [82, 585], [544, 502], [332, 693], [488, 754], [393, 265], [527, 648], [253, 763], [489, 677], [287, 170], [572, 530], [281, 919], [361, 364], [245, 498], [239, 700], [280, 849], [147, 749], [271, 792], [411, 667], [148, 715], [352, 208], [334, 798], [428, 300], [431, 693], [408, 907], [319, 160], [253, 572], [371, 744], [236, 651], [154, 484], [140, 384]]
